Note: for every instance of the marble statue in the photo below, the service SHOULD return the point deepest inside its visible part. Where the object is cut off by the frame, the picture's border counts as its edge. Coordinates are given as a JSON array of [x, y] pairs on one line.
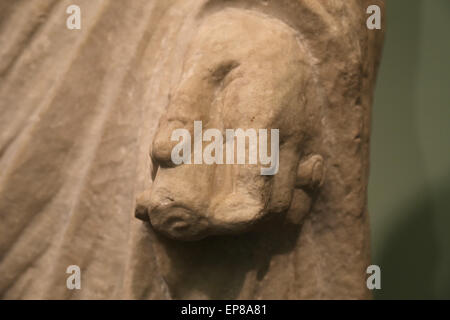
[[86, 149]]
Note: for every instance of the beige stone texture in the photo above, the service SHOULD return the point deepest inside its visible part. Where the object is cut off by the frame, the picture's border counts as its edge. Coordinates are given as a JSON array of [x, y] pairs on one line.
[[85, 149]]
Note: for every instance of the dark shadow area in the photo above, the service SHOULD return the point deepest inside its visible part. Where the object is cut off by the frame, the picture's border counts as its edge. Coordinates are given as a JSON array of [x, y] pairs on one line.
[[217, 265], [409, 260], [412, 257], [415, 253]]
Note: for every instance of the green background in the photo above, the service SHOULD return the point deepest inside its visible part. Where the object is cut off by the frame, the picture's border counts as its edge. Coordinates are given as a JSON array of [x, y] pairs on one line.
[[409, 187]]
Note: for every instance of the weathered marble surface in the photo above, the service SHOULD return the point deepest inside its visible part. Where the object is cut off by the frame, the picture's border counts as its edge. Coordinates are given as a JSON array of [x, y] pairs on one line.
[[80, 109]]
